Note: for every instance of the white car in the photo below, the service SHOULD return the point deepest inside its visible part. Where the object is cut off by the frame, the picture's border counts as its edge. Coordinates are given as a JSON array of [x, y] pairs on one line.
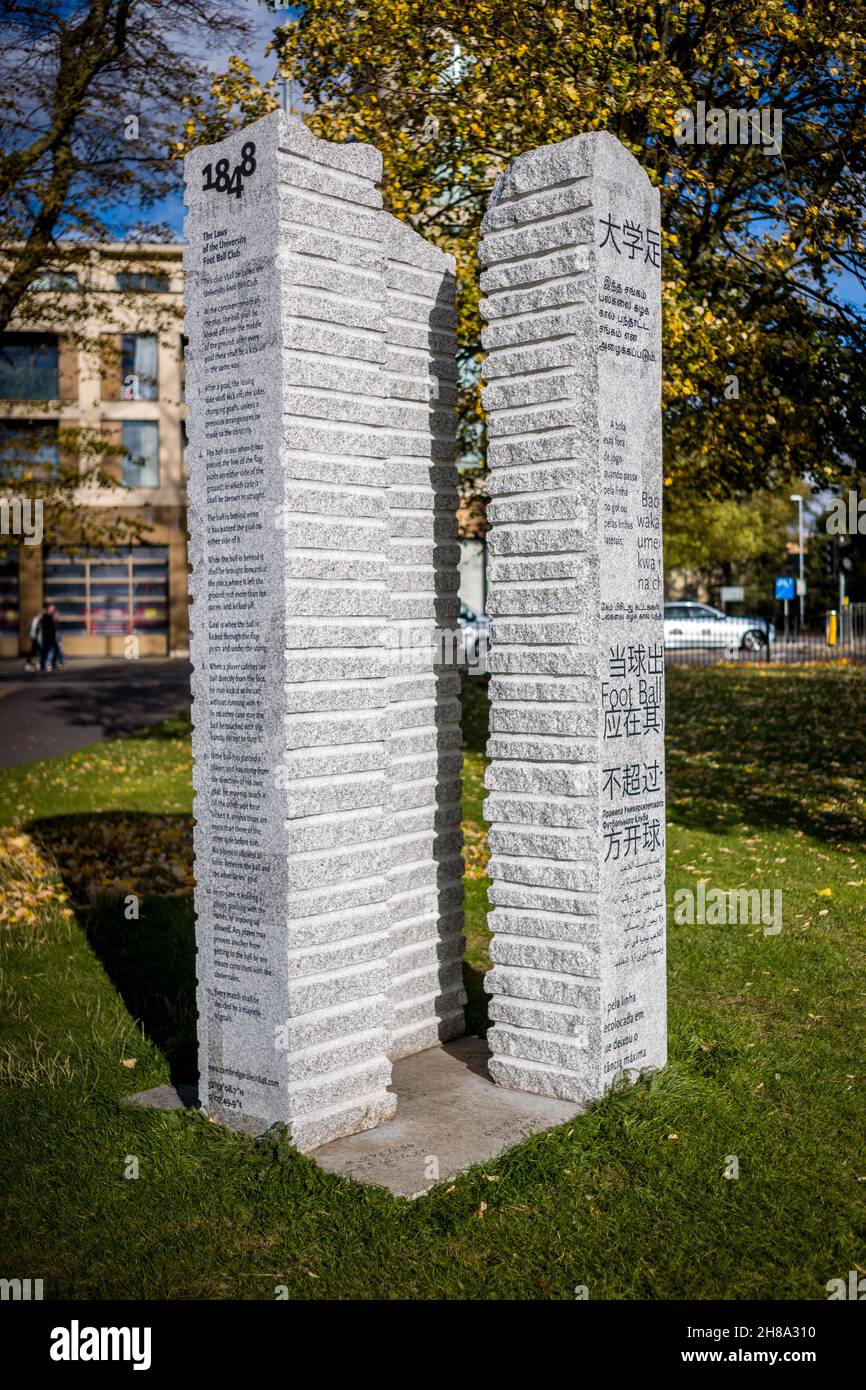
[[699, 625]]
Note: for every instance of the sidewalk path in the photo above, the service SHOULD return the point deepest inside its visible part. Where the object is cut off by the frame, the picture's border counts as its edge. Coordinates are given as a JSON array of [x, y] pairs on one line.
[[42, 716]]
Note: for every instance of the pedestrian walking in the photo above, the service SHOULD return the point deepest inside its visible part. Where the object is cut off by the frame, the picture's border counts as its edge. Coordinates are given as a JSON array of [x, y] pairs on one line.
[[34, 656], [51, 654]]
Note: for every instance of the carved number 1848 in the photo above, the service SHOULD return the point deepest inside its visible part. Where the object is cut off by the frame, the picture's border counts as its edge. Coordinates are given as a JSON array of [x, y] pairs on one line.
[[226, 182]]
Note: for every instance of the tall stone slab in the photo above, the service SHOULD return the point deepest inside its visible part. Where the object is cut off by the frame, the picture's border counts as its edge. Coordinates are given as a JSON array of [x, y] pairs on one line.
[[286, 311], [426, 993], [576, 778]]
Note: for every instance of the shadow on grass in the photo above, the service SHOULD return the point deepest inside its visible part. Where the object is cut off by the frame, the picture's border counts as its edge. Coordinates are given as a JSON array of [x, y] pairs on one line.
[[151, 964], [474, 718], [174, 727], [477, 1019], [767, 750], [474, 712], [106, 861]]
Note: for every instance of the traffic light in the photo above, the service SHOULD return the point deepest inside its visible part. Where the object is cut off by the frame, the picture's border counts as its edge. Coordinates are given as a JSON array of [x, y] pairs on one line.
[[828, 560]]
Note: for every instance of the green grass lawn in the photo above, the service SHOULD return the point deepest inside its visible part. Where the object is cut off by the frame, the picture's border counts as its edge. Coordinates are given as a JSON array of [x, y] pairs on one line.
[[767, 1061]]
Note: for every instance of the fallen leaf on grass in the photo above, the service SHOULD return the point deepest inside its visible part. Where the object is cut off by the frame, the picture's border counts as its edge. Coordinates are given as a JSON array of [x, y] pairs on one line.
[[29, 882]]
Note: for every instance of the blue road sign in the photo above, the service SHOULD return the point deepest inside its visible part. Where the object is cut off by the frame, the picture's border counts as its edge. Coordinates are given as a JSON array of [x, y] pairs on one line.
[[786, 587]]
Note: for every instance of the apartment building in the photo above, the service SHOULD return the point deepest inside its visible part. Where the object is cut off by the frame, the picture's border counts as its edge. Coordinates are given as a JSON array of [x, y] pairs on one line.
[[130, 389]]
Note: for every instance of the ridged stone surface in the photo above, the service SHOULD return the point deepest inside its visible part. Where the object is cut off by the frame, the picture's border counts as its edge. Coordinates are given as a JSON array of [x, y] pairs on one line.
[[290, 532], [425, 993], [576, 777]]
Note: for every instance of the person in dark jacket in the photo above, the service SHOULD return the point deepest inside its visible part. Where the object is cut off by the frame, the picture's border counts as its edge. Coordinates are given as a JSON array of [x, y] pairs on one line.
[[49, 642]]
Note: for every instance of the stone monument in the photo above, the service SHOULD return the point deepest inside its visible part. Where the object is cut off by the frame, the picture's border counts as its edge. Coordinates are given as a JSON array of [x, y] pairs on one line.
[[576, 780], [320, 385], [321, 381]]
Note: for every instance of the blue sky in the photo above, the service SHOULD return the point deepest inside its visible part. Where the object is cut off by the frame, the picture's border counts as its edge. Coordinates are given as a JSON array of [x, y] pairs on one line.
[[263, 23], [851, 291]]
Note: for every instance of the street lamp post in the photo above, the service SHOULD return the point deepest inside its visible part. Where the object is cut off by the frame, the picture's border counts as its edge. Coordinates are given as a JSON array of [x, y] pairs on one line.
[[795, 497]]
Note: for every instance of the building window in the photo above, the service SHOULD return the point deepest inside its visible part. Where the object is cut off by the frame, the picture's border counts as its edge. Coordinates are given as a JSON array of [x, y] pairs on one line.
[[141, 460], [57, 280], [29, 446], [9, 594], [110, 594], [29, 367], [139, 369], [142, 280], [184, 445]]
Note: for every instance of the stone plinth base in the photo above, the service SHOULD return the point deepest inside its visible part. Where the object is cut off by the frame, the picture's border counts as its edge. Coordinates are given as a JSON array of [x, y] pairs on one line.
[[450, 1116]]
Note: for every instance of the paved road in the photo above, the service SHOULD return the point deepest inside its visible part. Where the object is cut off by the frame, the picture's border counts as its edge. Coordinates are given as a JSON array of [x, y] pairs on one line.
[[44, 715]]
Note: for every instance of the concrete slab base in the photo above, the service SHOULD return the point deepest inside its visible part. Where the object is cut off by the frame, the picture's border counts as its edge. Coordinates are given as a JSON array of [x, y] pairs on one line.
[[448, 1109], [450, 1116], [167, 1097]]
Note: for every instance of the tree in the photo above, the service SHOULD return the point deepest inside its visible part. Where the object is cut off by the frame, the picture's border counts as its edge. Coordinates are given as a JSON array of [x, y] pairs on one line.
[[90, 92], [730, 540], [89, 101], [764, 366]]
